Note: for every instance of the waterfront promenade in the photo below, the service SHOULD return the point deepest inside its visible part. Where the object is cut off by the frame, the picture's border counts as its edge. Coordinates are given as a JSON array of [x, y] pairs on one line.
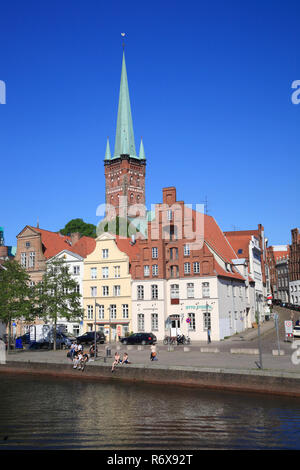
[[231, 364], [238, 352]]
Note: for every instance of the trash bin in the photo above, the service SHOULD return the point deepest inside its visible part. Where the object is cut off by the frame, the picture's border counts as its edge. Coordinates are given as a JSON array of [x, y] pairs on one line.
[[108, 351]]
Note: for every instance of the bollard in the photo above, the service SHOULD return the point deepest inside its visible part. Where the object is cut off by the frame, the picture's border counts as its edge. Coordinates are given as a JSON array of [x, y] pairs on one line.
[[129, 348], [140, 348], [108, 351], [275, 352], [186, 349]]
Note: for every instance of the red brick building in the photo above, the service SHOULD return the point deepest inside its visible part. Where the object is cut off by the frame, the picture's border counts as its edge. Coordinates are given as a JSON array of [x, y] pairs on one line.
[[294, 267], [185, 276], [35, 246]]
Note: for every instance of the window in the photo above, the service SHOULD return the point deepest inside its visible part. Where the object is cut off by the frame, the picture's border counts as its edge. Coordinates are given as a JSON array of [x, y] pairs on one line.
[[101, 312], [146, 271], [206, 321], [93, 273], [196, 267], [105, 291], [140, 292], [141, 322], [105, 272], [90, 312], [186, 250], [190, 290], [77, 288], [24, 260], [105, 253], [154, 321], [113, 311], [154, 292], [27, 244], [187, 268], [205, 289], [94, 291], [228, 290], [173, 253], [154, 253], [174, 271], [32, 259], [31, 283], [192, 324], [125, 311], [117, 291], [174, 291], [155, 270], [169, 214], [117, 271], [76, 270]]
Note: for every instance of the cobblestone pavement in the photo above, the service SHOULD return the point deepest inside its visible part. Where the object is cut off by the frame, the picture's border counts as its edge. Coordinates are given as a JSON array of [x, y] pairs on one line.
[[193, 357]]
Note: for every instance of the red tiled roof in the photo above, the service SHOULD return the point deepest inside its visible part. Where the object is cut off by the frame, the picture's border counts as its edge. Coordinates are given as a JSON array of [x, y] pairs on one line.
[[214, 236], [124, 245], [239, 241], [54, 243]]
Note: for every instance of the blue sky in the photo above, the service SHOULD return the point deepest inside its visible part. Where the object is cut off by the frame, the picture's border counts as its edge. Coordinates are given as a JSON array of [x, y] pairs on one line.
[[210, 89]]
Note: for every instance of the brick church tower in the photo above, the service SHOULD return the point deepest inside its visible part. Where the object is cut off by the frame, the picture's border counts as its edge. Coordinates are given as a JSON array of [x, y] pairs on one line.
[[125, 170]]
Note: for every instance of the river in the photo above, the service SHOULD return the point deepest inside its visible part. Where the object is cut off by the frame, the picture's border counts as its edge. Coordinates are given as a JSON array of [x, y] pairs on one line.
[[48, 413]]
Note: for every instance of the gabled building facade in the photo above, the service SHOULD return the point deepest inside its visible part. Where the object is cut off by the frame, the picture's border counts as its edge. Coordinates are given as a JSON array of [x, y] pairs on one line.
[[294, 267], [184, 279], [74, 262], [107, 287]]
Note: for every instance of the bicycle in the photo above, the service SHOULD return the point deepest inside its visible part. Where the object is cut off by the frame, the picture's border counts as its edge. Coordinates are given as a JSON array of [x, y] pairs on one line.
[[169, 340]]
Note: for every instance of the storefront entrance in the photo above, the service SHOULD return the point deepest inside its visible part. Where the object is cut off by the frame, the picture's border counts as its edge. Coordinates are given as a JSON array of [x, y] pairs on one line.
[[175, 325]]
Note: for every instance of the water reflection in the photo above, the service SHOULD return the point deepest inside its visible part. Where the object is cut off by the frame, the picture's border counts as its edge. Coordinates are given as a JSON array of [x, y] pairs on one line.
[[64, 414]]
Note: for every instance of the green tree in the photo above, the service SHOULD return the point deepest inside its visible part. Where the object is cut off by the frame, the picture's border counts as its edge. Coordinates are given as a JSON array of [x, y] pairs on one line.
[[57, 295], [78, 225], [117, 226], [16, 295]]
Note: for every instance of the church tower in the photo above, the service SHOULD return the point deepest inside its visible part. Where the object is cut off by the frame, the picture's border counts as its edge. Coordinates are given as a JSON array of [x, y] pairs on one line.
[[124, 170]]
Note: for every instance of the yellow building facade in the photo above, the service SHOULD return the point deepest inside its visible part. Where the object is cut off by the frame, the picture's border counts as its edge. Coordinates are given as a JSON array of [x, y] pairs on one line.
[[107, 289]]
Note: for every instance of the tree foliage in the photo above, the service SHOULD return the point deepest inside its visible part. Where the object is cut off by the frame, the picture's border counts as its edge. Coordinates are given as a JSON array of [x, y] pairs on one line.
[[78, 225], [16, 295]]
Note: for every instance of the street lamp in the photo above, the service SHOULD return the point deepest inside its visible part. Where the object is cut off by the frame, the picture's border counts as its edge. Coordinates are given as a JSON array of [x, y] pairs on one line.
[[259, 365]]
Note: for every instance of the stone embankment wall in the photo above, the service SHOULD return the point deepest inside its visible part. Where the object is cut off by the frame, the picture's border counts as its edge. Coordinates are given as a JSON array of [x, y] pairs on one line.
[[258, 381]]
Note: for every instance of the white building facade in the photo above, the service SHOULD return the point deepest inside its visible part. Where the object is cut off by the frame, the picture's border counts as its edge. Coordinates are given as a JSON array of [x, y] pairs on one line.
[[75, 265], [191, 306]]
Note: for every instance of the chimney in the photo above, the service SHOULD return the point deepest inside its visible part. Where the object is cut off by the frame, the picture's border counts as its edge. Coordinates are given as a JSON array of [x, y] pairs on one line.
[[169, 195], [75, 237]]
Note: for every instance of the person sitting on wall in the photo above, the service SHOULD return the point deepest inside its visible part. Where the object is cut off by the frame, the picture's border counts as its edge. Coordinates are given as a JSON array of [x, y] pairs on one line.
[[116, 361], [125, 359]]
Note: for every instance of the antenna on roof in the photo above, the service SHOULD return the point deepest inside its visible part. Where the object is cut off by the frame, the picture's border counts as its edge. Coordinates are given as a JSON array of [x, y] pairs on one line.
[[205, 203]]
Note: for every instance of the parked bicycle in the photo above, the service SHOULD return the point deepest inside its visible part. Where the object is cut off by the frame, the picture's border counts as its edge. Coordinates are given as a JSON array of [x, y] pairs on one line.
[[170, 340], [179, 339]]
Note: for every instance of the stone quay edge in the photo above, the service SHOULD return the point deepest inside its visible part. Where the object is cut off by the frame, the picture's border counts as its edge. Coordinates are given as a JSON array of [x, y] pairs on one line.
[[257, 381]]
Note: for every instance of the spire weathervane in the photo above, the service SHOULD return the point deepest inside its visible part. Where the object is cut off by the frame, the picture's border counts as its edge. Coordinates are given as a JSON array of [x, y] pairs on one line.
[[123, 43]]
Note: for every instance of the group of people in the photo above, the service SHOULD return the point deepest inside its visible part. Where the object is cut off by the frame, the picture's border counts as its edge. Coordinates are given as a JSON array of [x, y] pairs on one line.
[[79, 357], [118, 360]]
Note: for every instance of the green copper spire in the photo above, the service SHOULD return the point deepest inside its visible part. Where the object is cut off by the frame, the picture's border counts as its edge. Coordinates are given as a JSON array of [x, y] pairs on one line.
[[107, 153], [142, 151], [124, 135]]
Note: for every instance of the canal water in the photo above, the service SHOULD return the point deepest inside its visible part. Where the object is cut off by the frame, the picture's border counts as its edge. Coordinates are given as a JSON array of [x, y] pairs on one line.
[[48, 413]]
